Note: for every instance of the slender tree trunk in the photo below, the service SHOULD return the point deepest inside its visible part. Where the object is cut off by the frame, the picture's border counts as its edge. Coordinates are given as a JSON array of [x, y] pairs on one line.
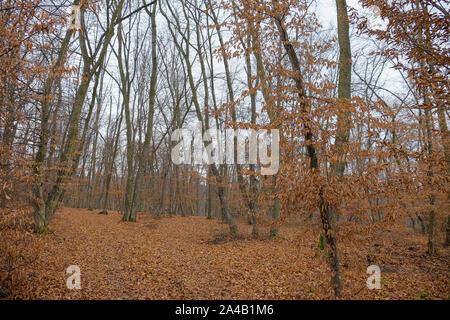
[[130, 130], [209, 197], [92, 175], [110, 167], [445, 138], [344, 86], [256, 49], [240, 178], [429, 127], [429, 148], [143, 159], [447, 239], [324, 208]]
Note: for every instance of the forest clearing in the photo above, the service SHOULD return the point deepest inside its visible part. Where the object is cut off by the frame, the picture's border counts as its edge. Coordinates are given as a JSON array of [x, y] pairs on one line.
[[195, 258]]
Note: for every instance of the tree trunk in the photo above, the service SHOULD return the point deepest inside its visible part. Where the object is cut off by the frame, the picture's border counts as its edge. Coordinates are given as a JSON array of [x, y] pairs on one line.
[[344, 86], [324, 207], [149, 133], [256, 49], [110, 167], [447, 239]]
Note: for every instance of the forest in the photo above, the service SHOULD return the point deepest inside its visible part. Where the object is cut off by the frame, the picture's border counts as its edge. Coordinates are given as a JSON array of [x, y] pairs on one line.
[[224, 149]]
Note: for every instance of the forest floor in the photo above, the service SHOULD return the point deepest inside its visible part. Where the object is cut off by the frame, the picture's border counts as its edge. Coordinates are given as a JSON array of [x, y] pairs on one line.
[[193, 258]]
